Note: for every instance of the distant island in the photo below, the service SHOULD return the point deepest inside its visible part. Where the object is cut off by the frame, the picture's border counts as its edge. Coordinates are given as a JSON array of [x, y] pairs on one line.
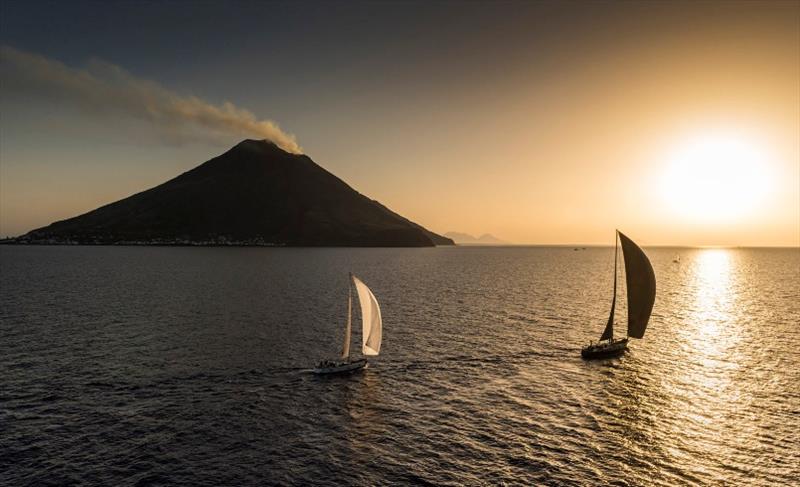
[[254, 194], [467, 239]]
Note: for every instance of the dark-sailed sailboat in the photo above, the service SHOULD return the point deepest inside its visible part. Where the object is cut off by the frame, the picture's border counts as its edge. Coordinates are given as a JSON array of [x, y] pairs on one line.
[[640, 282]]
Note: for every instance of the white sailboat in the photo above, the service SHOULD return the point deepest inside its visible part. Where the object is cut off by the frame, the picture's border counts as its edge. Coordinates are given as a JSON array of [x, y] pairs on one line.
[[371, 331], [640, 281]]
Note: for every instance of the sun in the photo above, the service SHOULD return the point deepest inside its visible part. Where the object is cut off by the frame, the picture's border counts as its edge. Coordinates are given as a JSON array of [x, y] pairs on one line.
[[715, 178]]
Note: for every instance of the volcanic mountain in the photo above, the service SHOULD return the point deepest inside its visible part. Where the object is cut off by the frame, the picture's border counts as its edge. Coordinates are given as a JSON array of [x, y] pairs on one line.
[[254, 194]]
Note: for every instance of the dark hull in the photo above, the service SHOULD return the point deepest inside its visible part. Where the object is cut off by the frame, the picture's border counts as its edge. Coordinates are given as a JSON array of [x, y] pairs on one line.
[[342, 368], [605, 350]]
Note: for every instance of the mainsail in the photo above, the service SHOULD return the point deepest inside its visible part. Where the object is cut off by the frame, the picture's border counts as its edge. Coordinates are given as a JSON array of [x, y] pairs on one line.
[[608, 333], [370, 318], [641, 284]]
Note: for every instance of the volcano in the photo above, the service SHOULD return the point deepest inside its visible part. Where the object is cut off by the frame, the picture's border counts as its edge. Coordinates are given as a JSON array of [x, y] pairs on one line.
[[253, 194]]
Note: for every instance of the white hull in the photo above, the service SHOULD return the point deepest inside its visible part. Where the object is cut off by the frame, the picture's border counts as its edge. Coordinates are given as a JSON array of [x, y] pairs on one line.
[[341, 367]]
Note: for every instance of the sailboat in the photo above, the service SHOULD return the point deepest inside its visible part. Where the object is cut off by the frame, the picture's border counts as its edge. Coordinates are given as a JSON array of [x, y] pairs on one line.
[[371, 331], [641, 286]]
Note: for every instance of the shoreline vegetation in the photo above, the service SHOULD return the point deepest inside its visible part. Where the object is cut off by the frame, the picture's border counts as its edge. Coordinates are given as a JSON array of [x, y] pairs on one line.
[[156, 242], [176, 242]]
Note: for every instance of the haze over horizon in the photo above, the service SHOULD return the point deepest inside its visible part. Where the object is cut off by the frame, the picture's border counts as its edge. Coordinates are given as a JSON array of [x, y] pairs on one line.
[[544, 123]]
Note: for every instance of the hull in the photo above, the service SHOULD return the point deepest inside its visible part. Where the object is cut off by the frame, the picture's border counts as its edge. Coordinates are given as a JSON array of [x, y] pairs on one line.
[[341, 367], [605, 349]]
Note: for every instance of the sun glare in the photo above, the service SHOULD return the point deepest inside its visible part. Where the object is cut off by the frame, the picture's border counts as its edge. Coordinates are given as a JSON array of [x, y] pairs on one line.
[[715, 178]]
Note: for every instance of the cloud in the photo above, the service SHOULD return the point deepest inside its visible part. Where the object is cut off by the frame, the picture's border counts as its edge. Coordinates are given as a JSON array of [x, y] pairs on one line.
[[104, 88]]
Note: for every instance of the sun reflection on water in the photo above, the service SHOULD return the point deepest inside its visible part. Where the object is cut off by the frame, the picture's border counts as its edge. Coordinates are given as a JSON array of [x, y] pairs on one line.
[[713, 301], [711, 334], [706, 393]]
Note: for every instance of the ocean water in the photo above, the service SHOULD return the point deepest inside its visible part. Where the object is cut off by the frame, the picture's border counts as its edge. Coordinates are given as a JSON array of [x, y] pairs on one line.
[[190, 366]]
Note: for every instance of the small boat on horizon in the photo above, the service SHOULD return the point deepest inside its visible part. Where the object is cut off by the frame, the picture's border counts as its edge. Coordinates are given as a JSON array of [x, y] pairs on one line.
[[677, 259], [641, 291], [371, 331]]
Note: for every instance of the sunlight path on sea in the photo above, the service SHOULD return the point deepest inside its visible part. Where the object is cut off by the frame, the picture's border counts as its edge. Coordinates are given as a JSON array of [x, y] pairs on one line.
[[720, 374]]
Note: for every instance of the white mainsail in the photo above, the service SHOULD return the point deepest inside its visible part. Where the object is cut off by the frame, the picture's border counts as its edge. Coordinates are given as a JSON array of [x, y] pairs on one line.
[[370, 318]]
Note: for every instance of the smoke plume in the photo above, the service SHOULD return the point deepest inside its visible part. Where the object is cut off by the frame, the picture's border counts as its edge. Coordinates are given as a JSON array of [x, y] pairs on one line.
[[105, 88]]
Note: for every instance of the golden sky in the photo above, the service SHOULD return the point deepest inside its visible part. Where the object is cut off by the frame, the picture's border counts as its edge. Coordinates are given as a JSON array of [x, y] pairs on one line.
[[676, 122]]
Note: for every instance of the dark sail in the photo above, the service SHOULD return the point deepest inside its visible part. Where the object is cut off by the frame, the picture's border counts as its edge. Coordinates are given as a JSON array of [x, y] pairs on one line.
[[641, 283], [608, 333]]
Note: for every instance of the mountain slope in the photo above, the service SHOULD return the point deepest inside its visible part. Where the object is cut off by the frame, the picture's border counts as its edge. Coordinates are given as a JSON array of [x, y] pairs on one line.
[[255, 193]]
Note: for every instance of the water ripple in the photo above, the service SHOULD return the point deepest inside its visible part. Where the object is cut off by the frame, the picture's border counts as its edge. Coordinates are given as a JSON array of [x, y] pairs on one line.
[[191, 366]]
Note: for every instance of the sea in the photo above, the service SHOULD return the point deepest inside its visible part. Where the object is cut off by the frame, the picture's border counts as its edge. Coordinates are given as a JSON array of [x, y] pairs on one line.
[[192, 366]]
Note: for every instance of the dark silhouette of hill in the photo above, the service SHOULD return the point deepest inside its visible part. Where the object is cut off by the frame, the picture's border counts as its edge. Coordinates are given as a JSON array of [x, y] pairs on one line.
[[254, 194]]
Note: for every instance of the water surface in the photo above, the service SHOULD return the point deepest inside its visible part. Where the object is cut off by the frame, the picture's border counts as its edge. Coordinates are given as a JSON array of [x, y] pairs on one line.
[[190, 366]]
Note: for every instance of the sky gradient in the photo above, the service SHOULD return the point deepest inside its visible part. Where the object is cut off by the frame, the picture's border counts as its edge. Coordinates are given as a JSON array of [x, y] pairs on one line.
[[538, 122]]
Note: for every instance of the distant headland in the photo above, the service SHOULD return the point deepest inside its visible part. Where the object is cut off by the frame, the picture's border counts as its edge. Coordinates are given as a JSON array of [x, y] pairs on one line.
[[255, 194], [466, 239]]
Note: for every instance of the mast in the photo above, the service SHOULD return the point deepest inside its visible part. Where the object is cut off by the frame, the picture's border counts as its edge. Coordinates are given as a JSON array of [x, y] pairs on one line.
[[608, 333], [348, 329]]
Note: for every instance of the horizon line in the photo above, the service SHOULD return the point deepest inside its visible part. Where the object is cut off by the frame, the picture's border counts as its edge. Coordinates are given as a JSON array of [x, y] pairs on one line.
[[677, 246]]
